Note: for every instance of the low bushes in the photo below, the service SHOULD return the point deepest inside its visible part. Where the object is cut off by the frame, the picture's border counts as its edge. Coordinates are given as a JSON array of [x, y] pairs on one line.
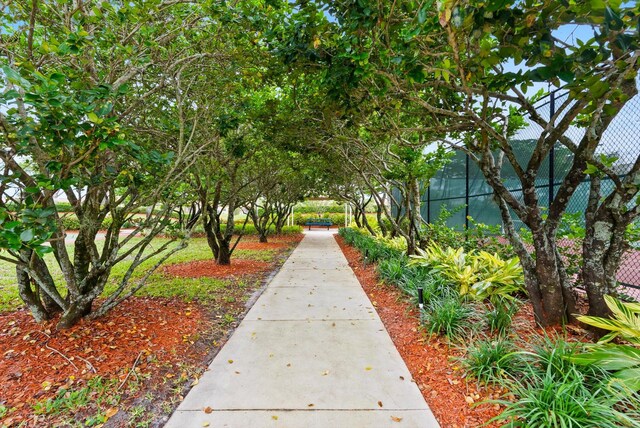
[[71, 222], [250, 229], [551, 390], [301, 218], [491, 359], [482, 275], [471, 297]]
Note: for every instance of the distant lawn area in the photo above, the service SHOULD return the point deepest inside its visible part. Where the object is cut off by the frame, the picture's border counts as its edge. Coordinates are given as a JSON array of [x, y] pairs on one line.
[[158, 285]]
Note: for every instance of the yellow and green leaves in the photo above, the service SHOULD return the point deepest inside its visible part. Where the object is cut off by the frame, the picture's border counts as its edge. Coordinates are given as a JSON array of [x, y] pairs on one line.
[[625, 321], [481, 275]]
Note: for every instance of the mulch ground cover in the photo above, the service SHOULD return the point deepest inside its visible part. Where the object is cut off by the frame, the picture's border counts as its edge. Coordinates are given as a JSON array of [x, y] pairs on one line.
[[146, 351], [434, 364], [209, 268], [38, 361]]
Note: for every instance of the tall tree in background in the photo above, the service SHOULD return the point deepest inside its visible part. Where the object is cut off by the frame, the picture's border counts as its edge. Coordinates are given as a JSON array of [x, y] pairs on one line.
[[88, 110], [448, 65]]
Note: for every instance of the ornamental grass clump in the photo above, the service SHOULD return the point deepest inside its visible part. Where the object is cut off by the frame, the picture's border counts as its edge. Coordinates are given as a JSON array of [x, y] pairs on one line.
[[551, 390], [447, 315], [500, 317], [544, 400], [490, 360], [392, 269]]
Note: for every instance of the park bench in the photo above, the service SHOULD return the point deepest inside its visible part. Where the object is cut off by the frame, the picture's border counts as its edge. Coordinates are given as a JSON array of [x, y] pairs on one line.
[[322, 222]]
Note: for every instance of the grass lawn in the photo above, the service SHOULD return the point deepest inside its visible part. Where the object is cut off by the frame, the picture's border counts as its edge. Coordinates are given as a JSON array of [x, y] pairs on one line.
[[158, 285]]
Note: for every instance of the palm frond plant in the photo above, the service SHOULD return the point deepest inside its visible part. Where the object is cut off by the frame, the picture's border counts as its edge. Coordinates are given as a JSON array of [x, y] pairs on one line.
[[622, 360], [624, 321]]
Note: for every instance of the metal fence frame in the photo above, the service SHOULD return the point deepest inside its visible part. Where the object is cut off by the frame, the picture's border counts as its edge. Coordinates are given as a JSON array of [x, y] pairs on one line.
[[464, 194]]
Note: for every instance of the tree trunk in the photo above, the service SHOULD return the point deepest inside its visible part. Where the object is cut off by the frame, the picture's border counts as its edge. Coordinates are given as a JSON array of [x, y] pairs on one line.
[[224, 254], [29, 297], [76, 311], [366, 224], [552, 304], [603, 248], [546, 283], [381, 225], [356, 217], [263, 237]]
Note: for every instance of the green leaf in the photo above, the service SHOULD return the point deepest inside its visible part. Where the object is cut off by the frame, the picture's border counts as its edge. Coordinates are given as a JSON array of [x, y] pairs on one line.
[[58, 77], [26, 235], [422, 13], [15, 77], [630, 378], [591, 169], [94, 118], [610, 357]]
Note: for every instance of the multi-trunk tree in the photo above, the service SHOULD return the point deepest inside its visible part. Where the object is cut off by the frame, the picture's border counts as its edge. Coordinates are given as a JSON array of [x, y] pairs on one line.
[[464, 68], [88, 112]]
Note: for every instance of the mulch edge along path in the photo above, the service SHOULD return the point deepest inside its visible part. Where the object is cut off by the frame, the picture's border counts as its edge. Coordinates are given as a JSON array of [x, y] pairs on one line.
[[147, 352], [452, 398], [457, 402]]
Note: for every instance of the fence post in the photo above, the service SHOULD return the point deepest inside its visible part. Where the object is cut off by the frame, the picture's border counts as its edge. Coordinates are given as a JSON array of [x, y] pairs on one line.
[[466, 195], [346, 213], [552, 111], [429, 202]]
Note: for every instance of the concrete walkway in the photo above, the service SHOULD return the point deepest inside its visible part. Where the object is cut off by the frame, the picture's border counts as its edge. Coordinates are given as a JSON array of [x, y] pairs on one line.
[[312, 352]]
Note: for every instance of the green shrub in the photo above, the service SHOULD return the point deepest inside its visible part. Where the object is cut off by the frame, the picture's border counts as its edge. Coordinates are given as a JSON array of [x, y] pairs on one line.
[[622, 361], [64, 207], [553, 357], [624, 322], [481, 275], [71, 222], [545, 400], [448, 316], [306, 209], [336, 218], [500, 317], [551, 390], [250, 229], [392, 269], [414, 277], [490, 360]]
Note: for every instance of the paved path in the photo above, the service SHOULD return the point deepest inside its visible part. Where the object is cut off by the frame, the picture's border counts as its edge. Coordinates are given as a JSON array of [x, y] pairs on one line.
[[312, 352]]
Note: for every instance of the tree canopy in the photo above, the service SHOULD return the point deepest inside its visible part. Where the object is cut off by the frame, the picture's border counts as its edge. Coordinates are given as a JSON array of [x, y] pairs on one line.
[[252, 105]]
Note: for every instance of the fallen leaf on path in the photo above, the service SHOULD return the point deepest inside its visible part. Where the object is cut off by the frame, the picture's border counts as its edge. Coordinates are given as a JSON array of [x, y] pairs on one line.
[[205, 424], [111, 412], [274, 417], [207, 410], [396, 419], [380, 403]]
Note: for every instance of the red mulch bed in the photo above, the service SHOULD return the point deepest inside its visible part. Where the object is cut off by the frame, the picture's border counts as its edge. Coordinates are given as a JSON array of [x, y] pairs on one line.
[[33, 369], [430, 360], [255, 245], [276, 242], [210, 269], [36, 360]]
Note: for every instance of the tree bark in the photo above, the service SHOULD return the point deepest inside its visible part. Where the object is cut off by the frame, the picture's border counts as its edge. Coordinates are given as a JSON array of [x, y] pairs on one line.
[[224, 254]]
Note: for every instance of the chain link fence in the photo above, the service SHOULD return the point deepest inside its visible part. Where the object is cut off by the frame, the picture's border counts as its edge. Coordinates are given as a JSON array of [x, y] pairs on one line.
[[461, 188]]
